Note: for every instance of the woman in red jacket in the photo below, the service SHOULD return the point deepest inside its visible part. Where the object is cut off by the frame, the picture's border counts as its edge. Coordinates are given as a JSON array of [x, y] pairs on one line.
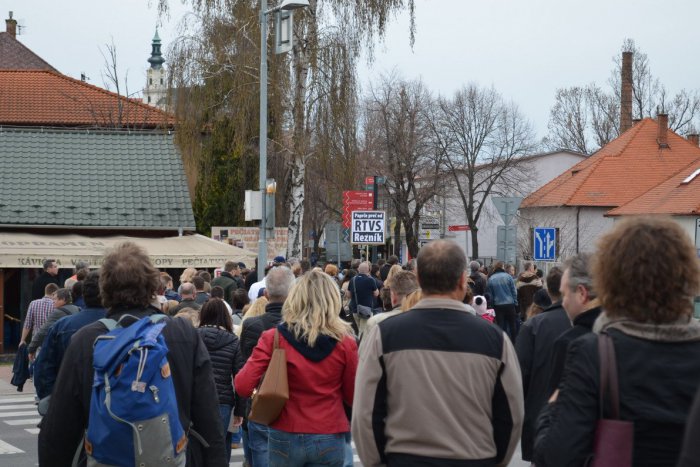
[[321, 364]]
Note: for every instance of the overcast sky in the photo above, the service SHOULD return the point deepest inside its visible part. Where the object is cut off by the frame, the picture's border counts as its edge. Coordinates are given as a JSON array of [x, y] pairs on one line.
[[526, 49]]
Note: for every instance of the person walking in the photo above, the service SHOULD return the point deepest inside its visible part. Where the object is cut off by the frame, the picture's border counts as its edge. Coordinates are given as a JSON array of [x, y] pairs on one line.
[[363, 290], [656, 346], [321, 363], [216, 331], [128, 282], [504, 298], [437, 385]]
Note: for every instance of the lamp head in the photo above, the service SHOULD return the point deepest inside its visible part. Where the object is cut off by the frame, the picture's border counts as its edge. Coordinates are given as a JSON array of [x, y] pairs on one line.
[[289, 5]]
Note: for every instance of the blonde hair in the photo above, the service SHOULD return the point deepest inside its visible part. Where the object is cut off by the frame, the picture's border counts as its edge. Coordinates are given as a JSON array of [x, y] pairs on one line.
[[251, 310], [187, 275], [411, 299], [311, 309], [189, 314], [394, 269]]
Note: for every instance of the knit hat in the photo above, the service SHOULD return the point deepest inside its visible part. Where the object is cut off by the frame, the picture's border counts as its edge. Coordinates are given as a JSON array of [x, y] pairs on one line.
[[479, 304], [542, 298]]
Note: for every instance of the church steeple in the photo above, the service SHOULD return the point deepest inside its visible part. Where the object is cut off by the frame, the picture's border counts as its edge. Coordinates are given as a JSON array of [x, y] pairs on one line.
[[156, 60]]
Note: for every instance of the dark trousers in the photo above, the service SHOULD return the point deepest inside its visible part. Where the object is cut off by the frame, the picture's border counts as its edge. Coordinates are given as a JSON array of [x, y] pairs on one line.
[[506, 319]]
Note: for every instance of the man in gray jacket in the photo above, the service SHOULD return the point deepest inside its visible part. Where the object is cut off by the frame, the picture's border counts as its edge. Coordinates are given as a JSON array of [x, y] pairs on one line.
[[437, 385]]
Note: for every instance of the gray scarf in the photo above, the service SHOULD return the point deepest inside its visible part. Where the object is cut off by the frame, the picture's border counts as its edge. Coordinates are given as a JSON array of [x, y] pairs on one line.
[[682, 330]]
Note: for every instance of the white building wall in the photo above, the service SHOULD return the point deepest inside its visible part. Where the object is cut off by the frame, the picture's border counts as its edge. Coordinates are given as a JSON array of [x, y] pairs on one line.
[[156, 90], [540, 170]]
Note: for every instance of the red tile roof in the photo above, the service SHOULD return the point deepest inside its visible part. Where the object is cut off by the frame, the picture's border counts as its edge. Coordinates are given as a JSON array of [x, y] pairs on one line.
[[48, 98], [619, 172], [16, 56], [672, 197]]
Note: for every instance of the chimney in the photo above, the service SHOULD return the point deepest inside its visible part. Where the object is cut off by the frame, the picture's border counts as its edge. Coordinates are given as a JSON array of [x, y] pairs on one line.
[[694, 138], [662, 136], [11, 26], [626, 93]]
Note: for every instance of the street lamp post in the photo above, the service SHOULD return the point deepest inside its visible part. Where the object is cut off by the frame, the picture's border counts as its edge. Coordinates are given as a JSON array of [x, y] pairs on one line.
[[286, 5]]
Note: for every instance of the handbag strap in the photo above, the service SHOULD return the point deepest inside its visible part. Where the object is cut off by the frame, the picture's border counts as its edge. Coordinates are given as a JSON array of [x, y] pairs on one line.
[[608, 375], [277, 339], [354, 290]]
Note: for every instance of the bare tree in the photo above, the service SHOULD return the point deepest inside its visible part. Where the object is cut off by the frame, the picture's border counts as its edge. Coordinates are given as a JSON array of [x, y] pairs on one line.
[[397, 138], [481, 140]]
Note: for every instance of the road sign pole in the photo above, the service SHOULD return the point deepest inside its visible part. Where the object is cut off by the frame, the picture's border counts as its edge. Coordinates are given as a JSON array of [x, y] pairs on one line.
[[374, 190]]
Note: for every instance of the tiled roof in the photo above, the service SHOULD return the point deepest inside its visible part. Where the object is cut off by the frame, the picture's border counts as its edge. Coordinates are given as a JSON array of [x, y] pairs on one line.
[[16, 56], [671, 197], [619, 172], [42, 97], [92, 178]]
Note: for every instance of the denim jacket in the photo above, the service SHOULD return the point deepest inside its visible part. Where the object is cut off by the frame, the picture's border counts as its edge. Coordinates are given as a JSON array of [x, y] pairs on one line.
[[501, 287]]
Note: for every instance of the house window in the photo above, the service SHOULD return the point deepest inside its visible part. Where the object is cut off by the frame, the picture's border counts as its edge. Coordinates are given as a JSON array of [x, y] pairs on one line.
[[161, 81], [149, 99], [150, 80]]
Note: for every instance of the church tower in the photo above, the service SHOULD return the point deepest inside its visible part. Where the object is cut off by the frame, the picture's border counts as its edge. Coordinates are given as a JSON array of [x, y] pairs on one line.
[[156, 91]]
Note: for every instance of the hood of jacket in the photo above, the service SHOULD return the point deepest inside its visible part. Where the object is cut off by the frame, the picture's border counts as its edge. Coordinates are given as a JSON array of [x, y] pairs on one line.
[[683, 330], [214, 337], [274, 308], [69, 309], [529, 278], [324, 344]]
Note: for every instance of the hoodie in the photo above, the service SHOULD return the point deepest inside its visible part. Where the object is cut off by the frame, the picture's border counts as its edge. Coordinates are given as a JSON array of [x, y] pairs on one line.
[[321, 377]]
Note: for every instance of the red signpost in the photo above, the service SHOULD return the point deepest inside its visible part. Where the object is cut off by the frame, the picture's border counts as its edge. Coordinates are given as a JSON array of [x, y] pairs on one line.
[[356, 201], [458, 228]]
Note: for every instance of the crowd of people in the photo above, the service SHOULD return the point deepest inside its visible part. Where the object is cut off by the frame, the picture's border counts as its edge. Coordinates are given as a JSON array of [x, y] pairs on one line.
[[439, 362]]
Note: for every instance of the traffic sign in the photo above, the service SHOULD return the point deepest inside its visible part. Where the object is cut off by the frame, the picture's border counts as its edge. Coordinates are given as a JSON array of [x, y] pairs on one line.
[[429, 228], [368, 228], [356, 201], [506, 237], [545, 244], [458, 228], [506, 206]]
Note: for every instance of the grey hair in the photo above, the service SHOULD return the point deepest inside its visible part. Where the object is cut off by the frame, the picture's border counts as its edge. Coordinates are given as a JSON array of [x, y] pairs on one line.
[[364, 267], [186, 288], [579, 267], [278, 282], [474, 266], [64, 294]]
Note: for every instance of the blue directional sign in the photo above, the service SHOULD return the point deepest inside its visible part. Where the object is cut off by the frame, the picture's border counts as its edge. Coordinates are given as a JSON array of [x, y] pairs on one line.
[[545, 244]]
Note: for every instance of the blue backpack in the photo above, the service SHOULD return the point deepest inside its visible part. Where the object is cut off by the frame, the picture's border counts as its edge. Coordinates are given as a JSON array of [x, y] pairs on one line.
[[133, 411]]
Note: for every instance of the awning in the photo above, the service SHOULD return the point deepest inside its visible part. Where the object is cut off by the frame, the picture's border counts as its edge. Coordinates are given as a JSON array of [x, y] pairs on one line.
[[24, 250]]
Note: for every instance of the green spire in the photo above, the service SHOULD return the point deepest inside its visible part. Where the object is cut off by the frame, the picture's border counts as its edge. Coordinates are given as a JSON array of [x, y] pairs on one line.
[[156, 59]]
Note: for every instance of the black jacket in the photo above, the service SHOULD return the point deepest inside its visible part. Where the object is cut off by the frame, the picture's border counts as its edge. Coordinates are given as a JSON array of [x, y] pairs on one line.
[[20, 368], [254, 327], [63, 426], [534, 348], [40, 284], [226, 361], [657, 383], [583, 324], [227, 282]]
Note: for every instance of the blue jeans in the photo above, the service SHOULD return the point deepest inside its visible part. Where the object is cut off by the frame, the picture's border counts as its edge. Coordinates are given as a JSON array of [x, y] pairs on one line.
[[349, 458], [246, 443], [258, 440], [225, 413], [309, 450]]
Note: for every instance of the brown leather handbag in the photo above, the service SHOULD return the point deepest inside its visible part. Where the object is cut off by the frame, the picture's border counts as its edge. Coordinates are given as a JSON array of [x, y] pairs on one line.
[[272, 394], [614, 438]]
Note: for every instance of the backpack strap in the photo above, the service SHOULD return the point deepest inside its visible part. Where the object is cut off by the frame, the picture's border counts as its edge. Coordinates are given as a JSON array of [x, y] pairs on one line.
[[109, 323]]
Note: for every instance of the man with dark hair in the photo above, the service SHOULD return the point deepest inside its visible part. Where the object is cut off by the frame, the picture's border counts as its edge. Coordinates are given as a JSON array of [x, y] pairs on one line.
[[218, 292], [473, 420], [56, 342], [227, 280], [128, 281], [62, 307], [38, 312], [201, 296], [403, 283], [534, 346], [81, 270], [49, 276], [384, 271], [278, 283], [582, 307], [478, 283]]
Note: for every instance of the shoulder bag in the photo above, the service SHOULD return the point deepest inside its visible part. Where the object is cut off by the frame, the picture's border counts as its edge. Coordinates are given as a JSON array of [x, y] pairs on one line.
[[364, 311], [272, 394], [614, 438]]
